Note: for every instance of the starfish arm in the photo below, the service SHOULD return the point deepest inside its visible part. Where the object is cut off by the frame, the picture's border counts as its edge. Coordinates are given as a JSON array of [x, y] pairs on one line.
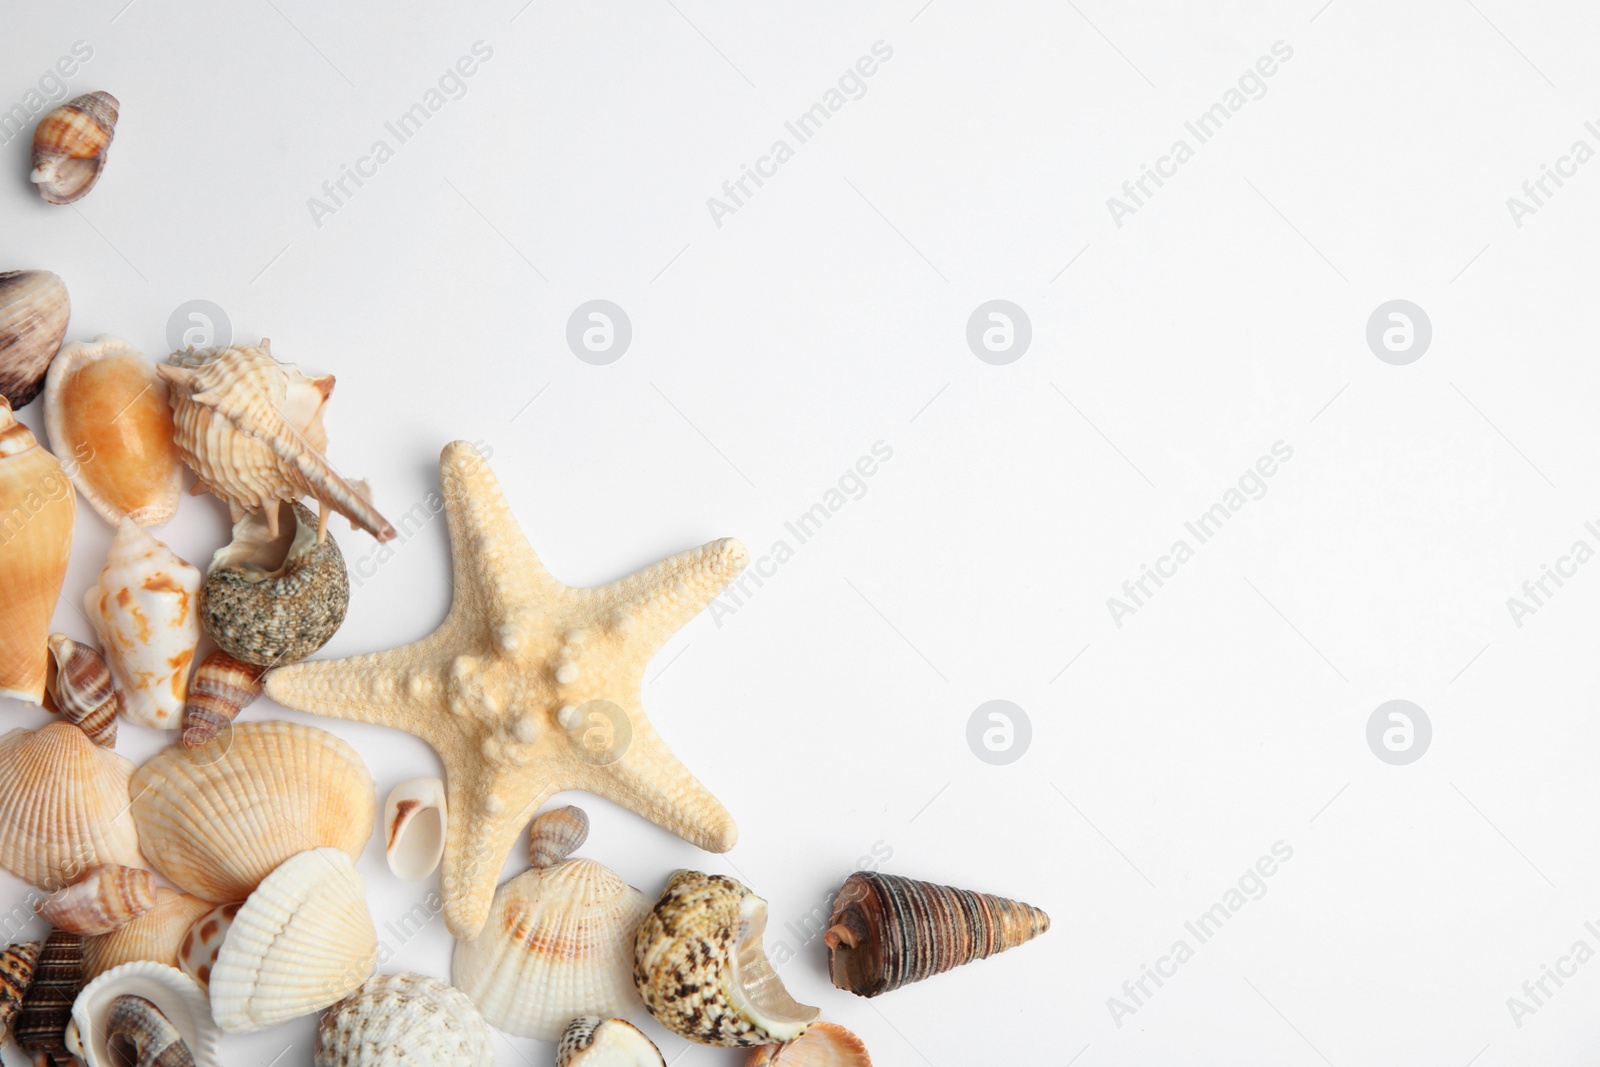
[[650, 781], [652, 604], [487, 814], [399, 688], [496, 570]]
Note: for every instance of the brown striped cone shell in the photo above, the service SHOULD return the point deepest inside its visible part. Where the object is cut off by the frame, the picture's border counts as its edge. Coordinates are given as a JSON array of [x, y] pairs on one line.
[[108, 897], [220, 689], [153, 937], [83, 690], [251, 428], [34, 311], [41, 1025], [822, 1045], [406, 1018], [70, 145], [16, 970], [590, 1041], [557, 834], [888, 931], [37, 510]]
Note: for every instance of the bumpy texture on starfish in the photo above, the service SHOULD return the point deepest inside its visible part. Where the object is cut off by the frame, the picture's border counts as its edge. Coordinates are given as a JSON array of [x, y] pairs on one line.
[[529, 687]]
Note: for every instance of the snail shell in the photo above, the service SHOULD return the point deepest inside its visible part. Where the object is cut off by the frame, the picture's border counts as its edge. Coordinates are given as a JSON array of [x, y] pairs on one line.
[[137, 1024], [34, 310], [47, 1006], [16, 971], [220, 689], [557, 834], [108, 897], [83, 690], [590, 1041], [70, 144], [415, 817]]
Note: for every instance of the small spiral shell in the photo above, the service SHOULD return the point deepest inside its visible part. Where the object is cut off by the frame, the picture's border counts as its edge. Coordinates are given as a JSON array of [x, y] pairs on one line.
[[70, 144], [557, 834], [105, 899], [83, 691], [590, 1041], [221, 688], [136, 1024], [16, 972], [41, 1025]]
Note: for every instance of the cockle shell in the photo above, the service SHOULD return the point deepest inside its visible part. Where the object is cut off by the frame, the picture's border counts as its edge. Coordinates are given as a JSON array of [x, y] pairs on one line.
[[41, 1025], [888, 931], [415, 817], [106, 409], [217, 819], [82, 689], [272, 598], [590, 1041], [64, 807], [404, 1020], [145, 613], [701, 969], [153, 937], [109, 896], [557, 834], [822, 1045], [34, 310], [70, 145], [303, 940], [182, 1005], [16, 971], [220, 689], [37, 507], [556, 946], [251, 428], [197, 955]]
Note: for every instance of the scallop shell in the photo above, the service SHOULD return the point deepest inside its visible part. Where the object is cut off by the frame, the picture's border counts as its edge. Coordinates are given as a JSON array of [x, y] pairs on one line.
[[218, 819], [144, 611], [273, 598], [37, 507], [220, 689], [106, 408], [888, 931], [108, 897], [590, 1041], [556, 946], [251, 428], [303, 940], [70, 145], [171, 992], [822, 1045], [41, 1025], [17, 963], [197, 955], [404, 1020], [81, 687], [557, 834], [415, 817], [65, 806], [34, 310], [153, 937], [701, 969]]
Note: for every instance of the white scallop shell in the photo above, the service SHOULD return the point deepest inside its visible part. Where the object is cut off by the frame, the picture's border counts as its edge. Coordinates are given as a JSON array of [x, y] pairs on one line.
[[404, 1020], [414, 822], [168, 988]]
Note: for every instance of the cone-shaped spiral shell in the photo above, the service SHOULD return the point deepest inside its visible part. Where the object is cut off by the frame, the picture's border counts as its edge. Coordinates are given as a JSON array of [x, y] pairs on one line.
[[184, 1010], [888, 931], [83, 691], [70, 145], [217, 819], [303, 940], [41, 1025], [822, 1045], [590, 1041], [64, 807], [108, 897], [556, 946], [153, 937], [197, 955], [34, 310], [37, 508], [401, 1020], [415, 818], [700, 966], [220, 689], [557, 834], [16, 971], [251, 428]]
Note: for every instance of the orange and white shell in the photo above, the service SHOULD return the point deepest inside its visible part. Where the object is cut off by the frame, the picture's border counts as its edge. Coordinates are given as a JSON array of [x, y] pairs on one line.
[[107, 897], [70, 145], [82, 689], [822, 1045], [37, 510]]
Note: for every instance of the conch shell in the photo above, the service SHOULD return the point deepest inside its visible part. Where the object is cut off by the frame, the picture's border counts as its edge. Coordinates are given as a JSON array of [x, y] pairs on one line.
[[105, 406], [415, 817], [590, 1041], [108, 897], [822, 1045], [16, 973], [251, 428], [399, 1019], [41, 1025], [144, 608], [220, 689], [37, 507], [83, 691], [34, 310], [153, 937], [70, 144]]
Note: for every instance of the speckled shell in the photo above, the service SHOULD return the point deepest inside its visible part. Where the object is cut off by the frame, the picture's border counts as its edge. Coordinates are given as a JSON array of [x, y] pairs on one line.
[[107, 897], [144, 609], [65, 806], [590, 1041], [197, 955], [556, 946], [554, 835], [40, 1027], [303, 940], [701, 969], [182, 1006], [404, 1020], [70, 145], [415, 821], [34, 311], [153, 937], [220, 689], [82, 690], [822, 1045], [216, 820], [268, 602], [16, 971]]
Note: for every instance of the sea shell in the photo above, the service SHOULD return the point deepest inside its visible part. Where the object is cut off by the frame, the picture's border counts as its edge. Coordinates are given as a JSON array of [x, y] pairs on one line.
[[404, 1020], [153, 937], [197, 955], [37, 507], [557, 834], [887, 931], [181, 1004], [272, 598], [251, 428], [108, 897], [144, 611], [41, 1025], [701, 969], [303, 940], [82, 690], [34, 310], [218, 819], [64, 807], [556, 946], [106, 408], [822, 1045], [415, 817], [590, 1041], [16, 971], [70, 144], [220, 689]]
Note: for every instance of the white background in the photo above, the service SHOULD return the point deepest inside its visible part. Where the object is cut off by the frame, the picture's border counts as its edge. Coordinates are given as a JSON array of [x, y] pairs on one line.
[[829, 712]]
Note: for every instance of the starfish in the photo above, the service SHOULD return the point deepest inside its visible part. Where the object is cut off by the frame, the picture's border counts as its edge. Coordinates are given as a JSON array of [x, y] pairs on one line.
[[528, 688]]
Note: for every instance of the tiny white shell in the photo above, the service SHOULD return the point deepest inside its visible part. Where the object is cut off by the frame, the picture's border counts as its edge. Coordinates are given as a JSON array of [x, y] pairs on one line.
[[415, 818], [168, 988]]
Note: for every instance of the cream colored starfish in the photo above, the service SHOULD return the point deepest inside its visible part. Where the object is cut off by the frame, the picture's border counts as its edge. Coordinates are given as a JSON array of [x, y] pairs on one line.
[[529, 687]]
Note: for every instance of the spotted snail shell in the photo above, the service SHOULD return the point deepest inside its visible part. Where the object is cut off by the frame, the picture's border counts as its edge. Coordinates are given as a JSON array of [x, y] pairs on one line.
[[70, 144]]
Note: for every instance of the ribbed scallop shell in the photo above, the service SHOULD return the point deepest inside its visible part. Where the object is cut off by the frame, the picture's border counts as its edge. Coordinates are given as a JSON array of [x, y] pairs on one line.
[[172, 992], [404, 1020], [590, 1041], [822, 1045], [64, 807], [108, 897], [218, 819], [37, 510], [153, 936], [70, 145], [34, 310], [558, 944], [83, 691], [16, 973], [303, 940]]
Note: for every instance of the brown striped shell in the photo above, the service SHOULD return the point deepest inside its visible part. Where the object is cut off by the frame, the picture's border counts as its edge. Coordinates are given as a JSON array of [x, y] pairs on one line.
[[138, 1026], [153, 936], [41, 1025], [108, 897], [17, 963], [34, 310], [83, 690], [70, 144], [220, 689], [557, 834]]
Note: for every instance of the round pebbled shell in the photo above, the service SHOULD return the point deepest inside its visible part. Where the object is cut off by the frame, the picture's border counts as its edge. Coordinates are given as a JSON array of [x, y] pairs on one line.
[[404, 1020], [153, 937]]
